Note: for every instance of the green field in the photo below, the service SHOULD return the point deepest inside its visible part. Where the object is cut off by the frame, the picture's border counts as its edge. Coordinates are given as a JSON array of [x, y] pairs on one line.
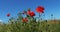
[[43, 26]]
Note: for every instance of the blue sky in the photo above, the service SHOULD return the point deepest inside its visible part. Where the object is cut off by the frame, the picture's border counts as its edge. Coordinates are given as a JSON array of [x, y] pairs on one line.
[[14, 6]]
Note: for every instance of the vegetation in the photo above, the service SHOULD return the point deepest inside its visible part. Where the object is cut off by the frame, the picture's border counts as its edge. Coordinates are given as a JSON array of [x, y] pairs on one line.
[[29, 23], [16, 25]]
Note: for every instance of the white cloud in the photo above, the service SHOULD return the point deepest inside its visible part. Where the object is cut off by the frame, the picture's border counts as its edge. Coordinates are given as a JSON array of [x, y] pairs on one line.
[[1, 20]]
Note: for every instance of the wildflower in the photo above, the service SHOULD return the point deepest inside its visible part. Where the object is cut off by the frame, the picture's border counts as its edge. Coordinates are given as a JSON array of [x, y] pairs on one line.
[[40, 9], [28, 12], [31, 13], [25, 20], [8, 14]]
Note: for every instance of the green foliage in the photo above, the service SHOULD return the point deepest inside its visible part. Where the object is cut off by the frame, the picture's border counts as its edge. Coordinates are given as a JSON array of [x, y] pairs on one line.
[[29, 27], [16, 25]]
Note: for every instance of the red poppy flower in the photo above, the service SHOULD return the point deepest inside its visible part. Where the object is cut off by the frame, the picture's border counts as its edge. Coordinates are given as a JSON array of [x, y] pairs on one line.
[[8, 14], [28, 12], [31, 13], [40, 9], [25, 20]]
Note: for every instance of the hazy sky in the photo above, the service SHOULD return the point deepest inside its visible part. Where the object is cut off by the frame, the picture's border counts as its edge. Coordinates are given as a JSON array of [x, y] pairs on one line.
[[14, 6]]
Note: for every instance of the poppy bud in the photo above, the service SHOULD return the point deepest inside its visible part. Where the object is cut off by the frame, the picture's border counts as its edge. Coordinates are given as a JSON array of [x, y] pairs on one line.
[[8, 14], [24, 20]]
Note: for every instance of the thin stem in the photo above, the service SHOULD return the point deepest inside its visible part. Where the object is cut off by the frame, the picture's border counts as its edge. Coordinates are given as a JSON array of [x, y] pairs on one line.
[[39, 16]]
